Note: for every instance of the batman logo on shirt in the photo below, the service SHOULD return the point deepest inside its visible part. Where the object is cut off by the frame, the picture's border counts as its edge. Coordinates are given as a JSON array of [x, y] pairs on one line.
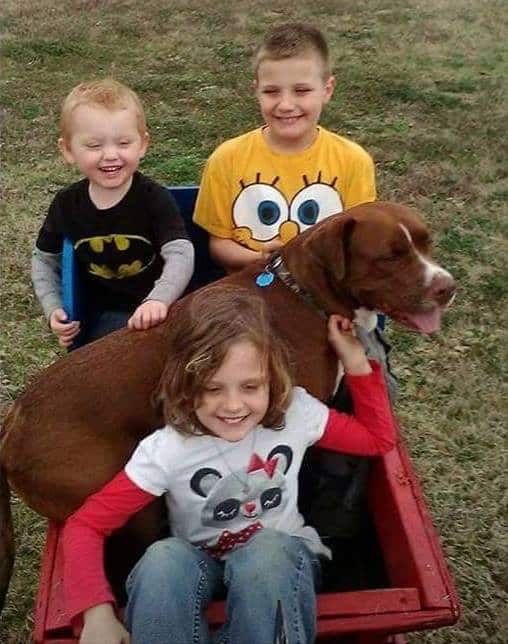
[[115, 257]]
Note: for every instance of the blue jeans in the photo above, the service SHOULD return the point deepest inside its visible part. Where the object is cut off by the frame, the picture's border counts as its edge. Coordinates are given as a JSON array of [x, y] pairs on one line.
[[98, 324], [173, 583]]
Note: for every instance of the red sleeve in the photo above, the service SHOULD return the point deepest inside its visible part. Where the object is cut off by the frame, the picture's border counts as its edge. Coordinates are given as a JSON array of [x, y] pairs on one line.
[[85, 583], [371, 430]]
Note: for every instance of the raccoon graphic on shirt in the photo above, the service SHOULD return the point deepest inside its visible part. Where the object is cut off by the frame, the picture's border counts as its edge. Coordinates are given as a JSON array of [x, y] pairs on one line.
[[245, 494], [219, 493]]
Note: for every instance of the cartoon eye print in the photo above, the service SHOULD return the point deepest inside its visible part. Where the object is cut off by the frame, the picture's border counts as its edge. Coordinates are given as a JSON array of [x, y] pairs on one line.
[[227, 510], [313, 203], [260, 208], [271, 498]]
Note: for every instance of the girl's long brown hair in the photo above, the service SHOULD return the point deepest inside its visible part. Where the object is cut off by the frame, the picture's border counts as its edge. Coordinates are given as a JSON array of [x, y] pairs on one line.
[[200, 337]]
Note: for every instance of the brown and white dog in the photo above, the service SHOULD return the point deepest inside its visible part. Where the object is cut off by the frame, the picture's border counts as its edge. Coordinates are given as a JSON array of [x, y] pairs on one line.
[[78, 422]]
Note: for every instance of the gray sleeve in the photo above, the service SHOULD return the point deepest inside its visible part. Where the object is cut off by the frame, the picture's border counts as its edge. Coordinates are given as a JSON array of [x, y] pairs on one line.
[[377, 348], [46, 279], [178, 257]]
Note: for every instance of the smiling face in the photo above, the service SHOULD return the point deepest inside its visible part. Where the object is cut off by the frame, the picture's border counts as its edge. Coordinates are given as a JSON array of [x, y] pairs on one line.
[[236, 398], [107, 146], [291, 94]]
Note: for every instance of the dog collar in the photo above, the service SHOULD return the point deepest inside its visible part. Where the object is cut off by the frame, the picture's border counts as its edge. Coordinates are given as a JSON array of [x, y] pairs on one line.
[[277, 268], [363, 318]]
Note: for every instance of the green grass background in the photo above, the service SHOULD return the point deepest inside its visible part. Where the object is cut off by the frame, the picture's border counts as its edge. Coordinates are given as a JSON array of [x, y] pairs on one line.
[[422, 86]]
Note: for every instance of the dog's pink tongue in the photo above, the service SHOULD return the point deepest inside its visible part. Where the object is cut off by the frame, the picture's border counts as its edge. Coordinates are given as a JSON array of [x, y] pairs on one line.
[[426, 322]]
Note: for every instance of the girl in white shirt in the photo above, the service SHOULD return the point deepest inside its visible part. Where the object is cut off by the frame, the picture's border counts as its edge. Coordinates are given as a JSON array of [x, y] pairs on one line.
[[227, 462]]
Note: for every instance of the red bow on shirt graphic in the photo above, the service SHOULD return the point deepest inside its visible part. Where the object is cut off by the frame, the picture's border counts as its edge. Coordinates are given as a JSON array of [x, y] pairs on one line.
[[257, 463]]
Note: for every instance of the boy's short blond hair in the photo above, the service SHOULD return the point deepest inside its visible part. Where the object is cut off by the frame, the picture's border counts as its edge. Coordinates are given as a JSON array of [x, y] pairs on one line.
[[107, 93], [291, 40]]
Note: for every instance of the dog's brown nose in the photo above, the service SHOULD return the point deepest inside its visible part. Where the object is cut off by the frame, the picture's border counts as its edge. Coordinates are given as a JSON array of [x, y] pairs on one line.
[[442, 288]]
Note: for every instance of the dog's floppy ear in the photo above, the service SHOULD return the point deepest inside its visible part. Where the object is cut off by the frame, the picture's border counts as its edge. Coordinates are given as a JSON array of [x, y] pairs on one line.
[[317, 260], [328, 247]]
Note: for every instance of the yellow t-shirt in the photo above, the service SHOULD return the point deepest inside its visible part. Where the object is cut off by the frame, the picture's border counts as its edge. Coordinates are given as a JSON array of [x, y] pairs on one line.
[[252, 194]]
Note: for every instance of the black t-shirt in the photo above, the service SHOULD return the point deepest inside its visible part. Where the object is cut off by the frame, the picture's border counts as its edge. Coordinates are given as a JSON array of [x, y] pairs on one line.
[[117, 249]]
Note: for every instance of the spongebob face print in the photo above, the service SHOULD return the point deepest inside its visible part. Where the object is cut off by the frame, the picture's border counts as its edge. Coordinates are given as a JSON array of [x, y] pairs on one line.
[[261, 212], [114, 257]]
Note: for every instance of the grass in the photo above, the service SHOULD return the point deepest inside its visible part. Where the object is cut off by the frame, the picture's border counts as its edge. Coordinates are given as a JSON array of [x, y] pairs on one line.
[[421, 86]]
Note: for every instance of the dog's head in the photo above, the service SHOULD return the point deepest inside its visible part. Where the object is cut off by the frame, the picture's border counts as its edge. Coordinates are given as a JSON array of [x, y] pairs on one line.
[[375, 256]]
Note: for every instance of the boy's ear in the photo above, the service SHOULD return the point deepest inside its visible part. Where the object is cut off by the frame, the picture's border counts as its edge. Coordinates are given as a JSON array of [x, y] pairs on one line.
[[329, 88], [65, 150], [145, 144]]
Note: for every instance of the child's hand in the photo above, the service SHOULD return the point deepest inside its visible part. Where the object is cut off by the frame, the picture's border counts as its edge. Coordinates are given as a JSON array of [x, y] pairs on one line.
[[271, 246], [66, 331], [103, 627], [347, 346], [148, 314]]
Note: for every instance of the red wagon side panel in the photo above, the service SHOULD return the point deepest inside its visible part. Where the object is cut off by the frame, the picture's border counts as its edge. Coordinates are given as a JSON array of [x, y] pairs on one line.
[[420, 595], [411, 549]]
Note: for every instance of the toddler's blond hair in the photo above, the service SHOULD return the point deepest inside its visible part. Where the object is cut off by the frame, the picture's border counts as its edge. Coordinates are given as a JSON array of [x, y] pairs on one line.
[[107, 93]]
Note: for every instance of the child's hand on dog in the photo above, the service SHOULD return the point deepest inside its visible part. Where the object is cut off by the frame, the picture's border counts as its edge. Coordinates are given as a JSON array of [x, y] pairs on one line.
[[348, 348]]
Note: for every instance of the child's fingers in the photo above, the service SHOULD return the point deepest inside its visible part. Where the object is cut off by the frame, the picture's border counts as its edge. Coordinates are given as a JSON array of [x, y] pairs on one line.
[[339, 323], [149, 318], [155, 315], [133, 321], [140, 320], [148, 315], [66, 330], [66, 339], [59, 315], [333, 325]]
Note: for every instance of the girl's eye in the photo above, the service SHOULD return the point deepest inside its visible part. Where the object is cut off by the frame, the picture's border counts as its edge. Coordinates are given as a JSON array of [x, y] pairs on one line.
[[92, 146], [125, 143], [212, 390], [251, 387], [303, 90]]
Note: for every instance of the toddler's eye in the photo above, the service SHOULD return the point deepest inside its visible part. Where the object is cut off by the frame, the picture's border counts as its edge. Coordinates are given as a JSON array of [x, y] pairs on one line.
[[125, 143], [92, 146], [303, 90]]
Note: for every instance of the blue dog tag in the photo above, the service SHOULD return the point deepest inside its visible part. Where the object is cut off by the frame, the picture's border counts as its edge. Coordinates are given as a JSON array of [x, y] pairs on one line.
[[265, 279]]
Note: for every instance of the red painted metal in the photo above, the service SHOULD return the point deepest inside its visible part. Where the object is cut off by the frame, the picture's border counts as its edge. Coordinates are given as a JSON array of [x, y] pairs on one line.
[[421, 594]]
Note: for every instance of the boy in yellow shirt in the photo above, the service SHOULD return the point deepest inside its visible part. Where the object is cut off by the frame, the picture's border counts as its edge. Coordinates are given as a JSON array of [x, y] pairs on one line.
[[263, 188]]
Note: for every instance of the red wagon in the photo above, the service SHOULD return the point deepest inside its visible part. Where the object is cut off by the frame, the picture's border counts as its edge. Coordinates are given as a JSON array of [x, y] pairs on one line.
[[419, 593], [412, 589]]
